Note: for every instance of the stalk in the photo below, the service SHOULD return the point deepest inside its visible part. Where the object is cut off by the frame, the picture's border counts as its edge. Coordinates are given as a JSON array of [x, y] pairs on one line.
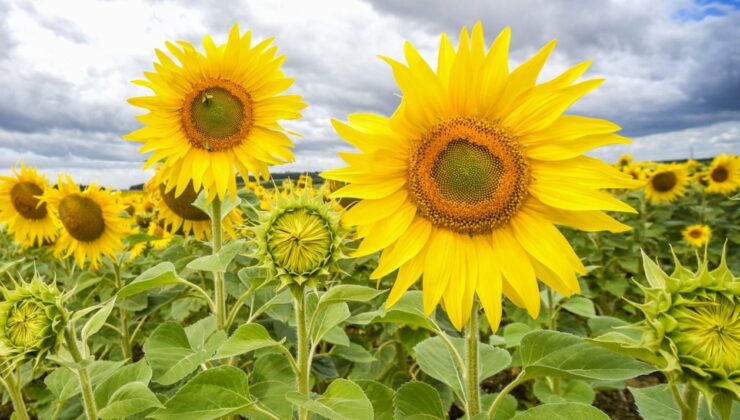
[[502, 395], [472, 381], [303, 352], [218, 278], [123, 315], [88, 396], [553, 326], [16, 396], [691, 399]]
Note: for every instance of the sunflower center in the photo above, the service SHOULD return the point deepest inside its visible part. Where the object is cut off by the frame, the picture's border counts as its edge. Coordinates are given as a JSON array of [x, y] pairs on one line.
[[25, 323], [720, 174], [217, 115], [299, 241], [182, 205], [82, 217], [664, 181], [695, 233], [468, 175], [24, 196]]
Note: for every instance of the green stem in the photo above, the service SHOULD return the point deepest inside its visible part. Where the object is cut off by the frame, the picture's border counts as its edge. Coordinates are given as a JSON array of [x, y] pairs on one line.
[[472, 381], [553, 326], [504, 392], [123, 315], [303, 352], [16, 396], [218, 278], [691, 399], [88, 396]]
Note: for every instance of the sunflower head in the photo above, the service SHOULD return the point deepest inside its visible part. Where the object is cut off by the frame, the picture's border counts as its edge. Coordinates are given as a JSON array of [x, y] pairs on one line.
[[697, 235], [692, 324], [32, 321], [635, 171], [624, 160], [723, 175], [21, 208], [300, 239], [667, 183]]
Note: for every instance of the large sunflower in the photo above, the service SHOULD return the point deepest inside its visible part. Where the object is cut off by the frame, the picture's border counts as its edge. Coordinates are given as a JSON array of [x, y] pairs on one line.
[[26, 218], [93, 226], [667, 183], [214, 112], [465, 182], [723, 175]]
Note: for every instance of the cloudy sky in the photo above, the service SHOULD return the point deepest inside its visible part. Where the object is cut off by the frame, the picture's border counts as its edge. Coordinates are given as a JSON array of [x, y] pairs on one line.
[[672, 68]]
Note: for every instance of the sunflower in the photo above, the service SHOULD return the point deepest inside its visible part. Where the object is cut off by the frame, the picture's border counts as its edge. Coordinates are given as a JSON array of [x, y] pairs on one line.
[[624, 160], [667, 183], [464, 184], [635, 171], [723, 175], [26, 218], [697, 235], [93, 226], [214, 112]]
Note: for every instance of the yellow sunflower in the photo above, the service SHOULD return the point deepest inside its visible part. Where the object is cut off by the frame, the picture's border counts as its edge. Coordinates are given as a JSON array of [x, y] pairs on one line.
[[635, 171], [154, 229], [723, 175], [26, 218], [465, 183], [93, 226], [624, 160], [667, 183], [216, 111], [697, 235]]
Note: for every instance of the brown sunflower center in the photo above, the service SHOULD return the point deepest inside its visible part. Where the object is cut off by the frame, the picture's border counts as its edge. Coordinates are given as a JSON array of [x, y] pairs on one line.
[[82, 217], [720, 174], [468, 175], [182, 205], [695, 233], [24, 196], [217, 115], [664, 181]]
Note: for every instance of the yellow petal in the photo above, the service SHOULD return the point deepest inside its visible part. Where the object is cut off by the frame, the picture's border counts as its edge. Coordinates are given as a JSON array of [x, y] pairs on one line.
[[438, 270], [387, 231], [406, 247], [488, 286], [518, 272], [407, 275]]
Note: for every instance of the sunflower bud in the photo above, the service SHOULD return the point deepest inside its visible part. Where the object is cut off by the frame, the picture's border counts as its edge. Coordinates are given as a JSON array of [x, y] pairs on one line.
[[692, 324], [300, 239], [32, 321]]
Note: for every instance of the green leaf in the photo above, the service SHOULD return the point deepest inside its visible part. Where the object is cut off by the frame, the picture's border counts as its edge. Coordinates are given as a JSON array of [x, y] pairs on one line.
[[136, 372], [64, 384], [211, 394], [130, 399], [170, 354], [354, 353], [417, 400], [227, 205], [349, 293], [407, 311], [96, 322], [580, 305], [380, 396], [505, 411], [328, 318], [562, 411], [570, 391], [162, 274], [220, 261], [343, 400], [553, 353], [271, 379], [246, 338], [603, 324], [656, 403], [514, 332]]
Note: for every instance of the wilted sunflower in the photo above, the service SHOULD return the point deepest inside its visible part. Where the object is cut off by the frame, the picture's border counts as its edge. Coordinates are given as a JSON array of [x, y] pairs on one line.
[[213, 112], [723, 175], [93, 226], [465, 182], [697, 235], [27, 219], [667, 183]]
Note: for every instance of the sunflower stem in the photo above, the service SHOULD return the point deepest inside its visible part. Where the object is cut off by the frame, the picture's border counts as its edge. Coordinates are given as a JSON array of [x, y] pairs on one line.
[[123, 315], [553, 326], [691, 400], [303, 351], [472, 381], [16, 396], [88, 396], [218, 278], [502, 395]]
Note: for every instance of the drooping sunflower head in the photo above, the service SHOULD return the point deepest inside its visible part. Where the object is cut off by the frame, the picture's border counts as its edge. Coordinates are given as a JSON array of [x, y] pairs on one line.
[[32, 321], [26, 217], [91, 219], [697, 235], [215, 113], [723, 175], [667, 183], [465, 183], [692, 323], [624, 160], [299, 240]]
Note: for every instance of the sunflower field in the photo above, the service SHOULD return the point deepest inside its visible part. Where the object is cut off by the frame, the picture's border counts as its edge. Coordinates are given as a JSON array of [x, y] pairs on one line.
[[469, 261]]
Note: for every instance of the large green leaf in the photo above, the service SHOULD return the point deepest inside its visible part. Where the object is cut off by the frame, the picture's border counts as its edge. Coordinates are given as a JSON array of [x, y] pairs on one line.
[[562, 411], [580, 305], [220, 261], [136, 372], [272, 378], [211, 394], [571, 390], [553, 353], [246, 338], [656, 403], [328, 318], [417, 400], [407, 311], [64, 384], [162, 274], [349, 293], [354, 353], [380, 396], [96, 322], [129, 399], [343, 400], [171, 355]]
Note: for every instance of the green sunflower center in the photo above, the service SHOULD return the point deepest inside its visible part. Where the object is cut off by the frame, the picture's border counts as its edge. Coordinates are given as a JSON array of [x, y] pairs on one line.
[[182, 205], [25, 324], [24, 196], [82, 217], [468, 175], [664, 181], [217, 113], [299, 241], [720, 174]]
